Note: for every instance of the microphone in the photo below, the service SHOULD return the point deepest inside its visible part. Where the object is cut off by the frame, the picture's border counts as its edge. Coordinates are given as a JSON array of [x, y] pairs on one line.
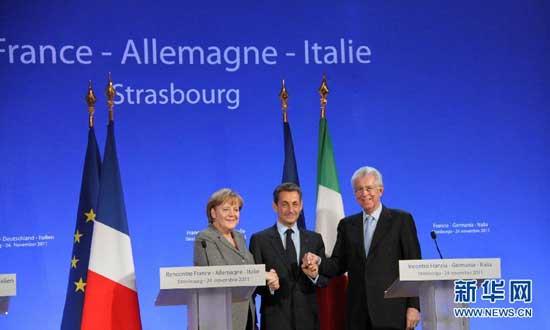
[[434, 237], [203, 244]]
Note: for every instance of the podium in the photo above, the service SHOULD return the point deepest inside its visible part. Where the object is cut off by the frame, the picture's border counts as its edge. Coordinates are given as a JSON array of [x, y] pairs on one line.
[[208, 292], [8, 289], [433, 282]]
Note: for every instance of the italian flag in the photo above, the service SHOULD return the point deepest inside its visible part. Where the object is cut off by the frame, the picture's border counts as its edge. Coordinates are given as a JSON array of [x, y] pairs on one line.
[[330, 210]]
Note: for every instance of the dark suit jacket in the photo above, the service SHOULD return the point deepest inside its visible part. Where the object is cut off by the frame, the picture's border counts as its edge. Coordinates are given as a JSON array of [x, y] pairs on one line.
[[296, 300], [394, 239]]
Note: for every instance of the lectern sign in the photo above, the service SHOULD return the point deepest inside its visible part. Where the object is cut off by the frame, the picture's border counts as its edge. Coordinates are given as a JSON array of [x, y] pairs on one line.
[[449, 269], [7, 285], [211, 276]]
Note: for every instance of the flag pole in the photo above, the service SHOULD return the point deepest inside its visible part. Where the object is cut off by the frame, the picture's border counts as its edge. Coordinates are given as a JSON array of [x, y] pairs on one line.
[[323, 91], [110, 92], [283, 96], [111, 300], [290, 169], [90, 99], [85, 218]]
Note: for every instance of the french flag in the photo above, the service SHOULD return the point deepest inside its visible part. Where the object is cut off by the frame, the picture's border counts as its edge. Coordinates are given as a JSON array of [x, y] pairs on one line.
[[111, 299]]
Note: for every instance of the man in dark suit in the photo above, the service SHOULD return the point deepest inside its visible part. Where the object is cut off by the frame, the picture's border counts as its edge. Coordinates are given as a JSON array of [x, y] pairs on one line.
[[281, 247], [369, 246]]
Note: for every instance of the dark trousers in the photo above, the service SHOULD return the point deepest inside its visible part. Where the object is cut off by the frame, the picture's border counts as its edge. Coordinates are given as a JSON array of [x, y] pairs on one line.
[[370, 327]]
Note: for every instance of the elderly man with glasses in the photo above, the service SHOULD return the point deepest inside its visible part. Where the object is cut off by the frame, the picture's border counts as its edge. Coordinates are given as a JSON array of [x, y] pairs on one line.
[[369, 245]]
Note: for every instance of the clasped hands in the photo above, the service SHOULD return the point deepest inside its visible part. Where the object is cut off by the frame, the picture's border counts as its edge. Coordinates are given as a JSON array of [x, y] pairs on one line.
[[310, 267]]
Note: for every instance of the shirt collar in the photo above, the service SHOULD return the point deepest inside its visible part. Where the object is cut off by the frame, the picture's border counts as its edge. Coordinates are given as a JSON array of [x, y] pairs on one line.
[[282, 228], [376, 213]]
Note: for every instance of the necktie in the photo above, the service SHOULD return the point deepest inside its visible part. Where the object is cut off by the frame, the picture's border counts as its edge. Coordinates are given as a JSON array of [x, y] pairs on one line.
[[290, 250], [369, 232], [292, 259]]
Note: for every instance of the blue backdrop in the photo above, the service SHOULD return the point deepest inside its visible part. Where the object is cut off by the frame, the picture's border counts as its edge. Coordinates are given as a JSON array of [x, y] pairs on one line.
[[449, 99]]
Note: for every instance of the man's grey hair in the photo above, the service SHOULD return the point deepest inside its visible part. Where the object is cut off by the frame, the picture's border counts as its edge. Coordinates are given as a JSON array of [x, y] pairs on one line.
[[364, 171]]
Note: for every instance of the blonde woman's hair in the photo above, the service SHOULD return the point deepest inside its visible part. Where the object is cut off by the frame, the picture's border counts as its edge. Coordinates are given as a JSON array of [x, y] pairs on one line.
[[219, 197]]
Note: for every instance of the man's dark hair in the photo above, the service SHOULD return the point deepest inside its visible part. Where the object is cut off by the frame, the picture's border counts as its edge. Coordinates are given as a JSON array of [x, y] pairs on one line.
[[286, 186]]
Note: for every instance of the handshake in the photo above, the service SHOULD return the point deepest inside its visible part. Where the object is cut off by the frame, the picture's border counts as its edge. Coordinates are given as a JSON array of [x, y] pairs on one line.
[[310, 267]]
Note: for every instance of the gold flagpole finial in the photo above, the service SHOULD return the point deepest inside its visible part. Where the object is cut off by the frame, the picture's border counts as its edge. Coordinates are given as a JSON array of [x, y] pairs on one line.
[[323, 90], [90, 99], [283, 96], [110, 92]]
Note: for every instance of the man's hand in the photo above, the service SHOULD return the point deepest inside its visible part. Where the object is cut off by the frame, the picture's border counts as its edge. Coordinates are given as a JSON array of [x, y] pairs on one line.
[[272, 280], [413, 317], [310, 259], [310, 265], [312, 270]]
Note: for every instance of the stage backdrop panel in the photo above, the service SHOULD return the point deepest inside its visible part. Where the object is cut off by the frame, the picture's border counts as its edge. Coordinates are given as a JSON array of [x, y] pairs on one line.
[[448, 99]]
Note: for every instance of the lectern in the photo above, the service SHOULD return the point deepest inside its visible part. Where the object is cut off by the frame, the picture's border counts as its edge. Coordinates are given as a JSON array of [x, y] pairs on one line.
[[8, 289], [208, 292], [433, 282]]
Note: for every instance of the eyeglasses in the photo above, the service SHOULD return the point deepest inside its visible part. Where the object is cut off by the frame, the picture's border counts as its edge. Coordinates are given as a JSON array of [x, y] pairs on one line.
[[368, 189]]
